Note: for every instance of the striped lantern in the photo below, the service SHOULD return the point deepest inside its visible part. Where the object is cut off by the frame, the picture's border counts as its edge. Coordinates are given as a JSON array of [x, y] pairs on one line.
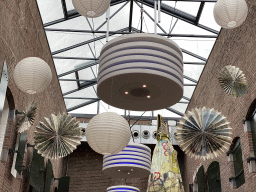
[[132, 162], [91, 8], [122, 188], [32, 75], [140, 72], [230, 13], [108, 133]]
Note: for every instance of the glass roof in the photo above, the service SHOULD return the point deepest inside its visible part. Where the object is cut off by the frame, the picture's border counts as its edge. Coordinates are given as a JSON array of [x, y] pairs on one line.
[[75, 49]]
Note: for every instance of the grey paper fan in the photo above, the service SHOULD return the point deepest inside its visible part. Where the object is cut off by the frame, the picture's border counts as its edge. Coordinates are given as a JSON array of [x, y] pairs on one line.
[[204, 133], [58, 136], [26, 118], [233, 81]]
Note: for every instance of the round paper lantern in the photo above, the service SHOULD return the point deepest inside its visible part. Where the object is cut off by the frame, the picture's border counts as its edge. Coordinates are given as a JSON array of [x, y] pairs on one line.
[[230, 13], [122, 188], [132, 162], [140, 72], [32, 75], [108, 133], [91, 8]]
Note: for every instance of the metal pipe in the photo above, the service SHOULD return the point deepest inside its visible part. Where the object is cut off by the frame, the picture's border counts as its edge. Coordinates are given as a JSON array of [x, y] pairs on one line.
[[155, 17], [159, 11], [107, 14]]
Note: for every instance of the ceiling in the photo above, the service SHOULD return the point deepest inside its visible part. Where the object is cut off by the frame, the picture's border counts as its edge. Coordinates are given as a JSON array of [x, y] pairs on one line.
[[76, 41]]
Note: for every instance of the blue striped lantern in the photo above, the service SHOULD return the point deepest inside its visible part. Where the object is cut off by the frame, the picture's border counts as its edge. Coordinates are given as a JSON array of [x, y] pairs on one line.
[[140, 72], [134, 161], [122, 188]]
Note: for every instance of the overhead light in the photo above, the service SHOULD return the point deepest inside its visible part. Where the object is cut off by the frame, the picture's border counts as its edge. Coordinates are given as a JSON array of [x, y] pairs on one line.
[[151, 65], [126, 92], [148, 96]]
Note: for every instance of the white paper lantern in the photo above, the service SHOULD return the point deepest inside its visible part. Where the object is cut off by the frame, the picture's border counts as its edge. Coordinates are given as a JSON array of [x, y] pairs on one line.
[[122, 188], [32, 75], [230, 13], [134, 161], [140, 72], [108, 133], [91, 8]]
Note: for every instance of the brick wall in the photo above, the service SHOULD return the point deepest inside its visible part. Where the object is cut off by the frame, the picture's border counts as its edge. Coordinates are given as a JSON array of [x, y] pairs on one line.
[[22, 35], [235, 47]]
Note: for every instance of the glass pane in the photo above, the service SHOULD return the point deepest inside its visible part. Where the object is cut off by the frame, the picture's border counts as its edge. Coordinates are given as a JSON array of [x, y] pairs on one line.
[[69, 5], [50, 10], [188, 7], [207, 18]]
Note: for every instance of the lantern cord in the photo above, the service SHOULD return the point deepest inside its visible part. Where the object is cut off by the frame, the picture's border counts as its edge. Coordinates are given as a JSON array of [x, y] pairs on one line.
[[137, 119], [170, 30]]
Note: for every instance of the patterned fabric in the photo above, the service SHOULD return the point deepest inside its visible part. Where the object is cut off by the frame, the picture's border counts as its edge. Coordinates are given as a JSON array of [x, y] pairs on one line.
[[165, 173]]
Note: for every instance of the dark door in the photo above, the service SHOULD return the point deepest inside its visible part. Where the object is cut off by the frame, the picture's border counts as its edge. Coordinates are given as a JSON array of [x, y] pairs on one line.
[[200, 179]]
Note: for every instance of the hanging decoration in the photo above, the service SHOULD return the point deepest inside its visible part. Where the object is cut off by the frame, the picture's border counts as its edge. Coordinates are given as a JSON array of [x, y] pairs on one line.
[[140, 72], [58, 136], [108, 133], [32, 75], [122, 188], [165, 172], [132, 162], [233, 81], [91, 8], [204, 133], [230, 13], [26, 118]]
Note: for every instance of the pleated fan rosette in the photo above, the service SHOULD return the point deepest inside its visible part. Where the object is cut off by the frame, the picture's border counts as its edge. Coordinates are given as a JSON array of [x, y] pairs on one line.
[[233, 81], [26, 118], [58, 136], [204, 133]]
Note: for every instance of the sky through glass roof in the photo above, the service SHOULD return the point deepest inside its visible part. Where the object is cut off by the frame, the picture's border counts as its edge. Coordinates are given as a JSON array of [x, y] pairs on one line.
[[75, 49]]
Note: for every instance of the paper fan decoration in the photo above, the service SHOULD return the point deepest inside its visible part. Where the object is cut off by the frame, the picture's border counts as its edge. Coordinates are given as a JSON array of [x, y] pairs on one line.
[[26, 118], [233, 81], [204, 133], [58, 136]]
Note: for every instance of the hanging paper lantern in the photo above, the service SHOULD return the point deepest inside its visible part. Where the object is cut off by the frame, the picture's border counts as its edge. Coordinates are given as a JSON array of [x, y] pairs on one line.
[[204, 133], [122, 188], [141, 72], [91, 8], [233, 81], [230, 13], [108, 133], [26, 118], [132, 162], [58, 136], [165, 172], [32, 75]]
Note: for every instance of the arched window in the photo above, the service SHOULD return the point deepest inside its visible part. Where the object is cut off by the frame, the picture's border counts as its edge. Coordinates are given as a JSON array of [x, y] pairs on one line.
[[213, 177], [199, 184], [237, 156]]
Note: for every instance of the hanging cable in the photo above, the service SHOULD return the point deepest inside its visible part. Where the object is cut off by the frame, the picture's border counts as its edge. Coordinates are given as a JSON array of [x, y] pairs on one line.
[[170, 30]]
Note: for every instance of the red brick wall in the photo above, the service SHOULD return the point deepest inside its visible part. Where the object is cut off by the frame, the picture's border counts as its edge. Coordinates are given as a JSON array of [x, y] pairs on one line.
[[235, 47], [22, 35]]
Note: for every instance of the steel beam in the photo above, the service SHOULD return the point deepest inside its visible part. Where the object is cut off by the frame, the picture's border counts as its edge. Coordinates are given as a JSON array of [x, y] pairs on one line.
[[84, 43], [174, 111], [194, 55], [83, 86], [81, 105], [200, 10], [190, 79], [149, 118], [64, 8], [122, 33], [131, 14], [76, 80], [186, 98]]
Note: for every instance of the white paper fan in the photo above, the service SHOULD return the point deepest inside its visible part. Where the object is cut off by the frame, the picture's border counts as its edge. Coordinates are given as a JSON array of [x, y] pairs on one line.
[[26, 118], [233, 81], [58, 136], [204, 133]]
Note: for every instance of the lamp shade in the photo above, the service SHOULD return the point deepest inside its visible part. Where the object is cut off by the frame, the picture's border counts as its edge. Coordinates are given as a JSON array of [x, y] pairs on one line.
[[140, 72], [230, 13], [91, 8], [122, 188], [108, 133], [32, 75], [133, 161]]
